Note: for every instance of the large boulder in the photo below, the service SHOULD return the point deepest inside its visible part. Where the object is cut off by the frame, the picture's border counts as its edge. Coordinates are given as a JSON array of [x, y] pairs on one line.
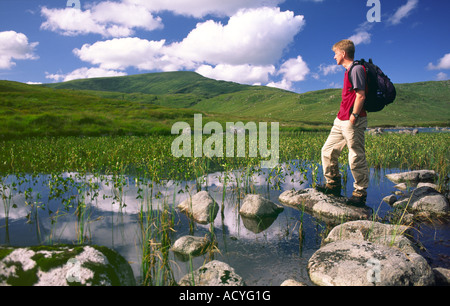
[[363, 263], [201, 207], [413, 176], [425, 200], [64, 266], [365, 230], [256, 206], [214, 273], [330, 208]]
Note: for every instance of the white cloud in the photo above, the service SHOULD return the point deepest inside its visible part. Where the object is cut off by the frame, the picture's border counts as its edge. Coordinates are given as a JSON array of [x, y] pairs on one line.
[[283, 84], [441, 76], [15, 46], [361, 37], [202, 8], [294, 69], [84, 73], [109, 19], [245, 49], [329, 69], [121, 53], [403, 12], [255, 36], [244, 74], [130, 16], [444, 63]]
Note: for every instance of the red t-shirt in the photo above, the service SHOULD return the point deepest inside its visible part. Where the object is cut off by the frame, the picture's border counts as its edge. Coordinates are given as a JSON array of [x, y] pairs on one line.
[[348, 98]]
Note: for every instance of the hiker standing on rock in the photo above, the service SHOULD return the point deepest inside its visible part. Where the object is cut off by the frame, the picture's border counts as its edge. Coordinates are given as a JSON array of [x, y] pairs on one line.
[[348, 129]]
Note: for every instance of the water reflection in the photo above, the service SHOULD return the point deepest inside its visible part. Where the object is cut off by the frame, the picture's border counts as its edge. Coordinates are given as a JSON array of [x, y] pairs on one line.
[[106, 210]]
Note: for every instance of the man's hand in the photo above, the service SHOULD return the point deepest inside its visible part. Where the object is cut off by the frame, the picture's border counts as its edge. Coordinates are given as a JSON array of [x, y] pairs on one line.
[[353, 119], [359, 104]]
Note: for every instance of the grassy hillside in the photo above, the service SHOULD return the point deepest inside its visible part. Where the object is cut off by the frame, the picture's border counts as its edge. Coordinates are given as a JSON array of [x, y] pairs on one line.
[[27, 110], [418, 104], [168, 83], [151, 103]]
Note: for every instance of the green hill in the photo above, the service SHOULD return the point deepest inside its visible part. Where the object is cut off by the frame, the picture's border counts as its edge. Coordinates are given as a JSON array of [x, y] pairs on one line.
[[29, 110], [152, 103], [167, 83], [417, 104]]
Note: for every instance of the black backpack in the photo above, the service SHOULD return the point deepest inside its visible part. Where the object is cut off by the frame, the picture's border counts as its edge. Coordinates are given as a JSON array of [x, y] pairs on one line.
[[381, 91]]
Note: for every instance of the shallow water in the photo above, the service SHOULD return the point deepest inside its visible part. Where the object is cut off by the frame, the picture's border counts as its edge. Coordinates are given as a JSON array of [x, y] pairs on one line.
[[111, 218]]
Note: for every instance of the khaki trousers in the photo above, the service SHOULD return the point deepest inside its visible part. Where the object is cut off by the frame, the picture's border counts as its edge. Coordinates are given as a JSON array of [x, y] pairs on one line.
[[344, 133]]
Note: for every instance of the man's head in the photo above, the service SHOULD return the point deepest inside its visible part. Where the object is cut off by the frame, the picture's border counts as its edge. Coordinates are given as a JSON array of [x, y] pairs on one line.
[[344, 50]]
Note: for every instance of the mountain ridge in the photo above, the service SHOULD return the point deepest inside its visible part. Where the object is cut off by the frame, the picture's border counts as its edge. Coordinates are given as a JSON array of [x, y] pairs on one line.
[[175, 82]]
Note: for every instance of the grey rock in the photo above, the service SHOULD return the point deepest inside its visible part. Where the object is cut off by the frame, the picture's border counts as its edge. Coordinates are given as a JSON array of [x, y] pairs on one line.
[[425, 200], [401, 186], [191, 246], [442, 276], [413, 176], [201, 207], [391, 199], [292, 283], [362, 263], [214, 273], [431, 185], [364, 230], [327, 207], [64, 266], [256, 206]]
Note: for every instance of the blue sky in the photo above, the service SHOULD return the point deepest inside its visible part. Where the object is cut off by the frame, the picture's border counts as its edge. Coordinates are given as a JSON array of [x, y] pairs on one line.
[[285, 44]]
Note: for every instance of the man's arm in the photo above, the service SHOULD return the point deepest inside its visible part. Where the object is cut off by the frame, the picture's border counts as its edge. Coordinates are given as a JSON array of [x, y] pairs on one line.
[[359, 104]]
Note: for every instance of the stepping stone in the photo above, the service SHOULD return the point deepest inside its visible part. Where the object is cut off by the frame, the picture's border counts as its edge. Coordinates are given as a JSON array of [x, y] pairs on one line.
[[413, 176], [327, 207], [256, 206], [363, 263]]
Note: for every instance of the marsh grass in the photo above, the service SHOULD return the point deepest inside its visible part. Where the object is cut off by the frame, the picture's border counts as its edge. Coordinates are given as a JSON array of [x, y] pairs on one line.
[[74, 169]]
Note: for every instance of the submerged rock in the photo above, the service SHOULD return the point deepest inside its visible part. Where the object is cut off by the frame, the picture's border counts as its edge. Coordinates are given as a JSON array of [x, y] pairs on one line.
[[390, 199], [191, 246], [256, 206], [425, 200], [325, 206], [64, 266], [413, 176], [363, 263], [201, 207], [214, 273]]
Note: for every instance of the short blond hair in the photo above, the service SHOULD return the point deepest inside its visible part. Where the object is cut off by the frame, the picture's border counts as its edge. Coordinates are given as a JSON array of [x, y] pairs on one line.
[[346, 45]]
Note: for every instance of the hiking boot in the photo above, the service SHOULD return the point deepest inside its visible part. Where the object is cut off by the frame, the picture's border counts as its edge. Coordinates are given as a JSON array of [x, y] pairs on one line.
[[358, 198], [333, 189]]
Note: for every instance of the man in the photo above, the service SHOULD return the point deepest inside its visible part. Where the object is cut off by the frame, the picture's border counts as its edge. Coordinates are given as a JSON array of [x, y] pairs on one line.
[[348, 129]]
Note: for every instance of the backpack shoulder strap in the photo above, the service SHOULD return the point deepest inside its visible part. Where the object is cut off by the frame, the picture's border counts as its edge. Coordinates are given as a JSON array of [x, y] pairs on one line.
[[356, 63]]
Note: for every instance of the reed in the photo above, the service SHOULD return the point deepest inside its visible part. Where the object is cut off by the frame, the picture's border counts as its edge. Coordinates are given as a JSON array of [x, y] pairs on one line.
[[72, 170]]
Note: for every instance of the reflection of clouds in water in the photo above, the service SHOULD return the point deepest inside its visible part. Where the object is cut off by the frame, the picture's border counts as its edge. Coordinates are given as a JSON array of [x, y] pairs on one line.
[[110, 224], [102, 198]]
